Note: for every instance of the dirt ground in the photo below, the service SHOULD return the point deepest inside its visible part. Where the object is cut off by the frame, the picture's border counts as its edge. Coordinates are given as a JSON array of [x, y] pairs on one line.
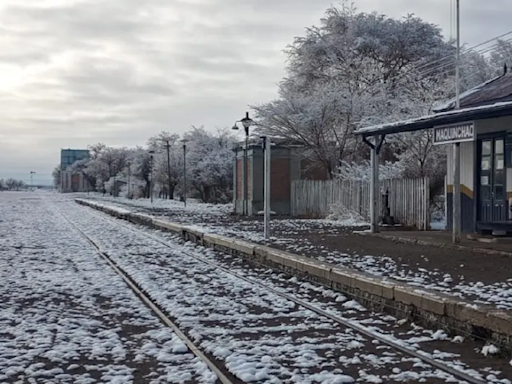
[[473, 265]]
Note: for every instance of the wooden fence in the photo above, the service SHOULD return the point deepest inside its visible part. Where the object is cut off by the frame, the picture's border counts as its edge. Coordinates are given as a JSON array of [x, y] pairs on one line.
[[409, 199]]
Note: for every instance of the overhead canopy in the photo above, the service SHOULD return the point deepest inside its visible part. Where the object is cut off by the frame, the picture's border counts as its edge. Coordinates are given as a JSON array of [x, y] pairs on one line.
[[500, 109]]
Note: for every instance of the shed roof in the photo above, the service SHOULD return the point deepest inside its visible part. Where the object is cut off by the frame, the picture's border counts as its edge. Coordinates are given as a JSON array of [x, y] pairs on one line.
[[498, 89], [499, 109]]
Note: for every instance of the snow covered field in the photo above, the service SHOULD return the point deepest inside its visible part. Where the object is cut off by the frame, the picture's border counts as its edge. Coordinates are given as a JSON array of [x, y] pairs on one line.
[[295, 236], [258, 335], [66, 317]]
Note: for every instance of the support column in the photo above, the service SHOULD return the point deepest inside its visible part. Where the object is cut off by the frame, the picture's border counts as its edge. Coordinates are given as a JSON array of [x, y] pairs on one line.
[[456, 219], [374, 186]]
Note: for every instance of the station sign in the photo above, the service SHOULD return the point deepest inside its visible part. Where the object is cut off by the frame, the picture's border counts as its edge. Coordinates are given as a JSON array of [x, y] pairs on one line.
[[454, 133]]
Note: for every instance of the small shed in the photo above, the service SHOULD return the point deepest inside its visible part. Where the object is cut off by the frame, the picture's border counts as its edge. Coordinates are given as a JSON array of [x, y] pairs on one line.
[[482, 131], [287, 165]]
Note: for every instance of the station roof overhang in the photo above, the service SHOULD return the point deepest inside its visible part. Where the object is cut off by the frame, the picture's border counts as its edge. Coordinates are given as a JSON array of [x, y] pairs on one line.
[[490, 111]]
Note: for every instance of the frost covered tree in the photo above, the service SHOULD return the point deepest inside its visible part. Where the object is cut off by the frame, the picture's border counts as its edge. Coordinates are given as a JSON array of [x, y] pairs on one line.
[[20, 184], [140, 168], [313, 120], [209, 157], [13, 184], [104, 164], [56, 176], [501, 55], [86, 168], [10, 184], [210, 164], [349, 71], [475, 69], [2, 185]]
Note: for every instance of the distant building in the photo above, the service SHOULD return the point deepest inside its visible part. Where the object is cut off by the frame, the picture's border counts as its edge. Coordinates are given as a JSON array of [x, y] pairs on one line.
[[69, 156], [70, 181]]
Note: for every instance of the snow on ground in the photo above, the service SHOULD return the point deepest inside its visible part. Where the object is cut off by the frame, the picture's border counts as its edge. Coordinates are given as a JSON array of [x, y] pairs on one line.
[[213, 214], [66, 317], [193, 208], [258, 335], [498, 293]]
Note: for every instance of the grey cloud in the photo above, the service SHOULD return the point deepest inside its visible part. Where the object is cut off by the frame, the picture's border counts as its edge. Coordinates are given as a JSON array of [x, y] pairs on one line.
[[119, 71]]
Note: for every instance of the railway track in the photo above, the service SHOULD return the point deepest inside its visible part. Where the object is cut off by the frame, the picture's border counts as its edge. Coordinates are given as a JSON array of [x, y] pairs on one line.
[[341, 321], [224, 379]]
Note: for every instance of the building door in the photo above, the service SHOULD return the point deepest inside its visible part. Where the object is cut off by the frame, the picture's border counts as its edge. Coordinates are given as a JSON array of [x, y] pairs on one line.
[[75, 183], [492, 187]]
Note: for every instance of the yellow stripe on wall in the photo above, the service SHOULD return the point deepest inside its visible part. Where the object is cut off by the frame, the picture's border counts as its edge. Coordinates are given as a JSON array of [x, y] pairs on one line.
[[463, 189]]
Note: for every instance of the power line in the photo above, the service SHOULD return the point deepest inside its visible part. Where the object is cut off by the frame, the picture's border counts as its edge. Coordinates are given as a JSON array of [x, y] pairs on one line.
[[452, 61], [422, 75], [450, 57]]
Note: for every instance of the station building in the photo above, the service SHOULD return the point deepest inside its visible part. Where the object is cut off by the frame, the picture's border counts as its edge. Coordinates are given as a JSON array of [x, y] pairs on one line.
[[482, 127]]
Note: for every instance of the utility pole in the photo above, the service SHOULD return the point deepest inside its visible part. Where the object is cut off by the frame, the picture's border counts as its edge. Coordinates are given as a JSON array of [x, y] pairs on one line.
[[184, 141], [168, 147], [151, 175], [456, 219], [129, 181], [266, 185]]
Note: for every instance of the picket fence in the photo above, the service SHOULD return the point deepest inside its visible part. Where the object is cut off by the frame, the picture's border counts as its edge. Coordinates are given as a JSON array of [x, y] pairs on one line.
[[409, 199]]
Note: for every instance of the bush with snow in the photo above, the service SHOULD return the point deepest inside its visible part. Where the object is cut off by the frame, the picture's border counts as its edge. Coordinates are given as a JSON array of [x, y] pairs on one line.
[[362, 170], [339, 212]]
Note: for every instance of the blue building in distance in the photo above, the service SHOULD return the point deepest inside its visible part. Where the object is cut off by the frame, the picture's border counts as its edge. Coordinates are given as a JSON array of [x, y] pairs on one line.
[[69, 181], [69, 156]]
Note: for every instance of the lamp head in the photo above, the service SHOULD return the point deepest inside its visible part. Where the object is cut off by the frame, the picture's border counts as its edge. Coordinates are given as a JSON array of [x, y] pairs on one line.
[[247, 121]]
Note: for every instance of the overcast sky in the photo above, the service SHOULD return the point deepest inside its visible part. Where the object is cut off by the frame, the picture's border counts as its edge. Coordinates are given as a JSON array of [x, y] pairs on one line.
[[78, 72]]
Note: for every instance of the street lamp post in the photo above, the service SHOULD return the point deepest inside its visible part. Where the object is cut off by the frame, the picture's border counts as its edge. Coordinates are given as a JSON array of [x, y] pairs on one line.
[[184, 141], [151, 175], [246, 122], [32, 173]]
